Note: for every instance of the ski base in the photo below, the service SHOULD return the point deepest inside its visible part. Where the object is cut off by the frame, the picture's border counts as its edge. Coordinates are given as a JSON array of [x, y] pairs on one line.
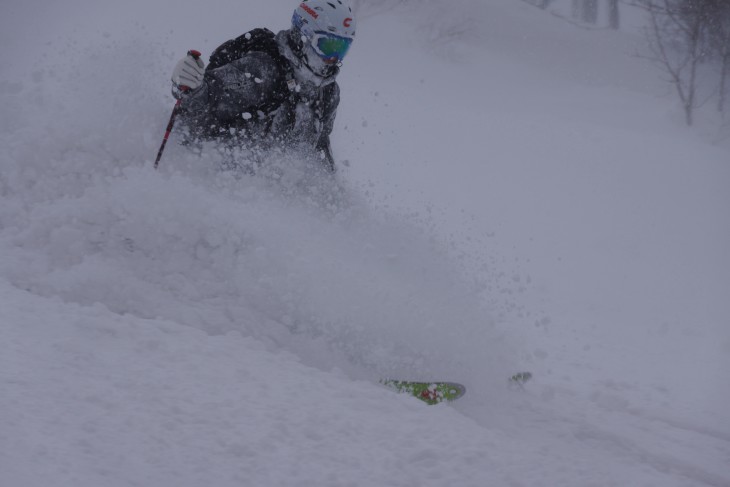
[[428, 392], [520, 379]]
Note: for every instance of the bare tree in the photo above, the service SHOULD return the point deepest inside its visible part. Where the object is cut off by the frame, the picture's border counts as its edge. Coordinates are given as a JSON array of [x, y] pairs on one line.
[[724, 69], [719, 33], [678, 38], [614, 21], [585, 13]]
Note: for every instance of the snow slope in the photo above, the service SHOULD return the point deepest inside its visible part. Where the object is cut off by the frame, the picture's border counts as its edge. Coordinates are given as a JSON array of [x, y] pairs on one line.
[[514, 194]]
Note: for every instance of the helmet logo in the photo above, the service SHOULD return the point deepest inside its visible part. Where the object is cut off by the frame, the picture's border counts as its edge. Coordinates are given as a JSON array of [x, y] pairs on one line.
[[309, 10], [347, 22]]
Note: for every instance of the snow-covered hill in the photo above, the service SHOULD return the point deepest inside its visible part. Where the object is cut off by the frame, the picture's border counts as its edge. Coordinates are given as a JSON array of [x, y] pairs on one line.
[[513, 194]]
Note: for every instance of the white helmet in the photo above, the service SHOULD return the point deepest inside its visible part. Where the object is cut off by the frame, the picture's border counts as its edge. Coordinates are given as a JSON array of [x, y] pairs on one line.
[[323, 31]]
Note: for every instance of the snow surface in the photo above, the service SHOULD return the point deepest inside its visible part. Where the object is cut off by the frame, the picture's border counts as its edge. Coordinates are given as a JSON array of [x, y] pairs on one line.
[[514, 193]]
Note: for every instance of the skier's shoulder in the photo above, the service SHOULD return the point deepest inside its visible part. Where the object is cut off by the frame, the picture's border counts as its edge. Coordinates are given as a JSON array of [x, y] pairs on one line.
[[256, 44]]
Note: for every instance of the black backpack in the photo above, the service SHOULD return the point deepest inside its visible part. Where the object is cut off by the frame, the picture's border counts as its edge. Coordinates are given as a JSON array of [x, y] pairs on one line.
[[261, 40], [256, 40]]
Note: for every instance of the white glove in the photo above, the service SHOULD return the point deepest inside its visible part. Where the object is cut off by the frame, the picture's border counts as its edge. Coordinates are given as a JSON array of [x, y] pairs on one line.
[[188, 72]]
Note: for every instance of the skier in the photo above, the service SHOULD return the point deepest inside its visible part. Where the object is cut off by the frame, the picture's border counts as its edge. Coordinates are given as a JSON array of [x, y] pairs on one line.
[[264, 90]]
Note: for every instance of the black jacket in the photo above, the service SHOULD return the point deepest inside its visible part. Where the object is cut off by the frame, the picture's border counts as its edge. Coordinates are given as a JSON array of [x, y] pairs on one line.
[[258, 93]]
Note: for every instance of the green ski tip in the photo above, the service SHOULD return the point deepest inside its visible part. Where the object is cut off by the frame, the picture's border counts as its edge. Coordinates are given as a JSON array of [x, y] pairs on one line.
[[428, 392]]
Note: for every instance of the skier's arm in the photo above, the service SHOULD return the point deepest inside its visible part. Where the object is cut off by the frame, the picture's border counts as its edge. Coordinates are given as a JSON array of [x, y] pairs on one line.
[[324, 147], [188, 82]]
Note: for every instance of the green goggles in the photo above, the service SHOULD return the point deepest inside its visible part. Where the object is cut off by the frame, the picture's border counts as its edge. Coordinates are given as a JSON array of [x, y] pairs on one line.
[[330, 47]]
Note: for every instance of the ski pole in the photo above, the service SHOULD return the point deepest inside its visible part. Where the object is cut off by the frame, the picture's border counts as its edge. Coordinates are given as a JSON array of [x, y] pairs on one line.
[[173, 115]]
